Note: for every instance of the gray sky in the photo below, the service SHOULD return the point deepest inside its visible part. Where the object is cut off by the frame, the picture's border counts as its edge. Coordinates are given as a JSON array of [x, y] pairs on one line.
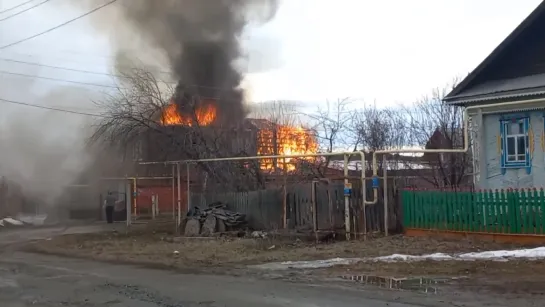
[[386, 51]]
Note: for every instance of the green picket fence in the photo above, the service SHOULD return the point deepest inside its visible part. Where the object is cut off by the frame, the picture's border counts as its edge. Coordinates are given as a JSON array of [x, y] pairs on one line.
[[492, 211]]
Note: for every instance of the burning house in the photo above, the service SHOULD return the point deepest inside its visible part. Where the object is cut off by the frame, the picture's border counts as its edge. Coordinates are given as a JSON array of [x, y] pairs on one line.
[[202, 133], [206, 117]]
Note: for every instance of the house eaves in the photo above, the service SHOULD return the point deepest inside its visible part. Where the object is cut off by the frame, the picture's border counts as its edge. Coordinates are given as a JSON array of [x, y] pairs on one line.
[[526, 87], [458, 96]]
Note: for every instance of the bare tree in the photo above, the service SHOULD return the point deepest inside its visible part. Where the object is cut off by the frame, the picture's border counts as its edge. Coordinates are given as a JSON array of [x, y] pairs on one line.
[[435, 125], [135, 115], [378, 129], [332, 127]]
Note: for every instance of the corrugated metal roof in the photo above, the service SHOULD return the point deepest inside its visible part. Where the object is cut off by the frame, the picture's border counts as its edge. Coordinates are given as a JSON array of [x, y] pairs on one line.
[[527, 83], [460, 95], [500, 97]]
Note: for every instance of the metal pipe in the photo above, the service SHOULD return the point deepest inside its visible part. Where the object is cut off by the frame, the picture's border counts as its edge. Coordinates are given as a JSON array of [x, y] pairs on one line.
[[328, 154], [179, 217], [187, 187], [285, 195], [128, 202], [346, 200], [363, 196], [314, 210], [465, 119], [385, 195], [134, 196], [173, 193], [132, 178]]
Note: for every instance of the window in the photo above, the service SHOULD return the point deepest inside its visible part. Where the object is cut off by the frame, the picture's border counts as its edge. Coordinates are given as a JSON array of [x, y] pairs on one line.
[[514, 143]]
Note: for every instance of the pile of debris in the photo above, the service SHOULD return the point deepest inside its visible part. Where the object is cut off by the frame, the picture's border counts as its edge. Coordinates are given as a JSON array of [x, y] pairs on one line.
[[214, 219]]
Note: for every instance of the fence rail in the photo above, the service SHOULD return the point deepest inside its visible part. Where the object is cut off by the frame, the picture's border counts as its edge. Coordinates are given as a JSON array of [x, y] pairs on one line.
[[264, 208], [491, 211]]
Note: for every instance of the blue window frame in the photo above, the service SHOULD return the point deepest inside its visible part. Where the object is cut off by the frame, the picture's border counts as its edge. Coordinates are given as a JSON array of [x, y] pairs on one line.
[[515, 152]]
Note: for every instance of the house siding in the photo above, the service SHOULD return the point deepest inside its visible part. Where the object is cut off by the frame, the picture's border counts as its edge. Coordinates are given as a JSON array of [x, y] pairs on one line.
[[492, 176]]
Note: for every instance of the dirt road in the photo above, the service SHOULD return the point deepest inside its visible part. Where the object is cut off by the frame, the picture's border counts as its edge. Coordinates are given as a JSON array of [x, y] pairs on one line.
[[31, 280], [45, 281]]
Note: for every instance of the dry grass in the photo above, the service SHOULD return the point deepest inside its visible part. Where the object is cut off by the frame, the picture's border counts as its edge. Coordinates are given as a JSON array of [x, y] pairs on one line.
[[155, 245]]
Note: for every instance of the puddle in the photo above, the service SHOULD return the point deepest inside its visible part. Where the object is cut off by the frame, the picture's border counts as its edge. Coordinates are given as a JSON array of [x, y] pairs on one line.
[[425, 285]]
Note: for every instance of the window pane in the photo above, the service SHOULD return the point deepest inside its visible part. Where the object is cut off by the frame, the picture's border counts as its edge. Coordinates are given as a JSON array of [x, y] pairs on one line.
[[521, 127], [511, 146], [511, 158], [521, 158], [521, 145], [513, 128]]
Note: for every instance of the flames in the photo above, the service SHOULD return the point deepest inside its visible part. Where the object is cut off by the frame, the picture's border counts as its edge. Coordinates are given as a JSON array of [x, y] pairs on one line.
[[285, 140], [273, 140], [204, 115]]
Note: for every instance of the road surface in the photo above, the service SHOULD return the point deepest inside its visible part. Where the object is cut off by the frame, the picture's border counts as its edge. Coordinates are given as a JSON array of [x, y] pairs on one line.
[[47, 281], [31, 280]]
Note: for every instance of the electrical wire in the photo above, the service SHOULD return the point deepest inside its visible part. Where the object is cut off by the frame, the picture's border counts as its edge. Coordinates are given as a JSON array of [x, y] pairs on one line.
[[50, 108], [57, 109], [15, 7], [61, 68], [25, 10], [58, 26], [57, 80], [118, 87]]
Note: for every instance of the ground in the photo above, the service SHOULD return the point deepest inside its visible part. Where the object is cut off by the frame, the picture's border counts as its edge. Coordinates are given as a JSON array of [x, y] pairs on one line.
[[216, 272]]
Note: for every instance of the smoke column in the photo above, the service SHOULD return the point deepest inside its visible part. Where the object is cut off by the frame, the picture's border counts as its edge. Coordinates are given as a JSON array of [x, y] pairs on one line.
[[200, 40], [42, 151]]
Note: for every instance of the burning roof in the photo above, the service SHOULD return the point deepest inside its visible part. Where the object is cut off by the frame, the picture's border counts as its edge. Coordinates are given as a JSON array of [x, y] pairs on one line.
[[203, 115], [272, 138]]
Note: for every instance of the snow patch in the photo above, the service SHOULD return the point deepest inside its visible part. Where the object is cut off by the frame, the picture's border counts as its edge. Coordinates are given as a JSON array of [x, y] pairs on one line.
[[312, 264], [499, 255], [11, 221]]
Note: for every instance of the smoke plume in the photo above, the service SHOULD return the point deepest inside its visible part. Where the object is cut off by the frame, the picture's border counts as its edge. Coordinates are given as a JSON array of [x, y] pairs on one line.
[[200, 40], [42, 150]]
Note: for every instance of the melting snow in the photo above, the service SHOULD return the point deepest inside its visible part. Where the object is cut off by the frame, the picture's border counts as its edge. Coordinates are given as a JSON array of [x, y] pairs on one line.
[[10, 221], [500, 255]]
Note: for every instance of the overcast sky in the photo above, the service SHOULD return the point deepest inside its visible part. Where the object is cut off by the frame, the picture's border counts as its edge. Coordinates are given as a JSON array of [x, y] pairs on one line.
[[386, 51]]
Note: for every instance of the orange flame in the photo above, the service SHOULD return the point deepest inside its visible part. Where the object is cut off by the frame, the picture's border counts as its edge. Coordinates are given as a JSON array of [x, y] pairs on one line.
[[204, 116], [288, 141]]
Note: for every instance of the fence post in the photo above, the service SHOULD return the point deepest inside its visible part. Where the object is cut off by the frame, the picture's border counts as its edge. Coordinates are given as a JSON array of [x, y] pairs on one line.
[[512, 207], [524, 210], [541, 215], [405, 208]]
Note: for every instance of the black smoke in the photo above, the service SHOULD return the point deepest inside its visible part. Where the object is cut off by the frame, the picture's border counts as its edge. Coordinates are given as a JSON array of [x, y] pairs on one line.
[[201, 40]]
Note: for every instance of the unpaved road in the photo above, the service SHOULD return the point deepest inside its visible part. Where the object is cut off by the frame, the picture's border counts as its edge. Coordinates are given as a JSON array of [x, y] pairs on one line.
[[47, 281], [31, 280]]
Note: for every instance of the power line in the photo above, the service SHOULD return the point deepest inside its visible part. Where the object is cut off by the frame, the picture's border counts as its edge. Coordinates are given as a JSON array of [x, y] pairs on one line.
[[58, 26], [118, 87], [87, 72], [56, 79], [49, 108], [60, 68], [14, 7], [25, 10]]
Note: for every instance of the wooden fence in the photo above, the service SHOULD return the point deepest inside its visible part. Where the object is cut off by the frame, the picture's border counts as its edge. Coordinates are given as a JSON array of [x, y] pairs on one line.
[[516, 212], [320, 201], [263, 208]]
